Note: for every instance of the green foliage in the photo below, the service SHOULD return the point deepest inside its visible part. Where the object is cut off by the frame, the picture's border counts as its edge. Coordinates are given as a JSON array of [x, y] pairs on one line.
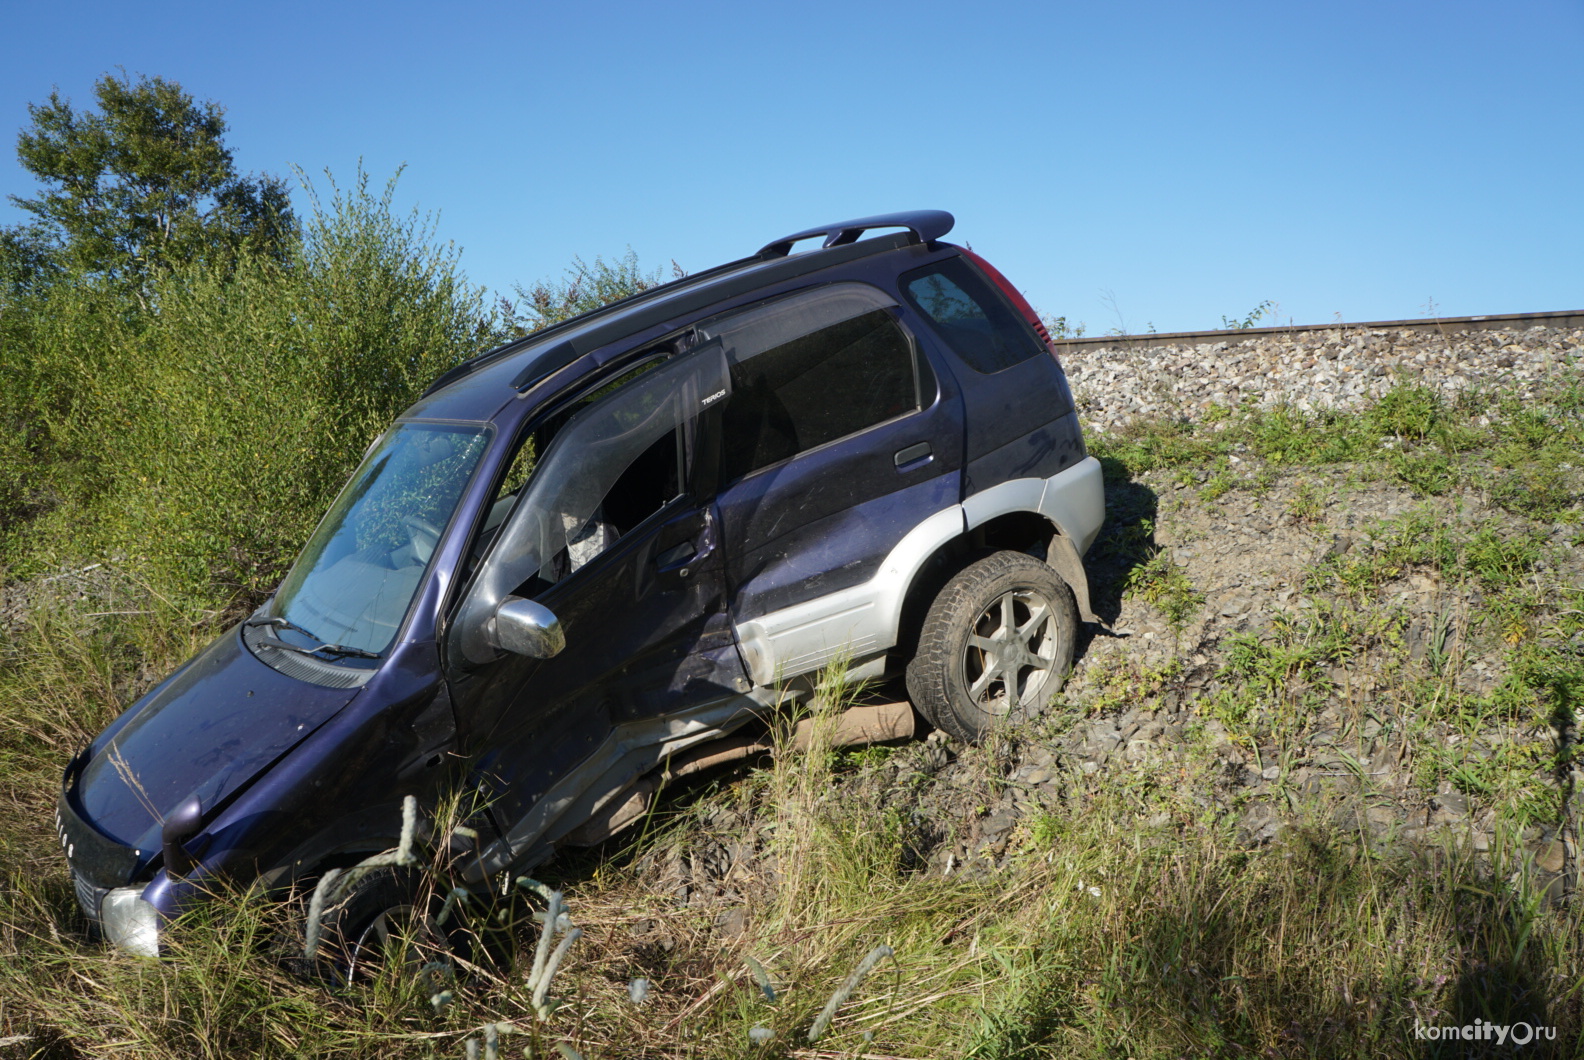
[[1219, 484], [1164, 585], [1410, 412], [1523, 455], [1490, 555], [1145, 445], [1306, 505], [1059, 328], [145, 183], [1255, 315], [198, 441], [27, 260]]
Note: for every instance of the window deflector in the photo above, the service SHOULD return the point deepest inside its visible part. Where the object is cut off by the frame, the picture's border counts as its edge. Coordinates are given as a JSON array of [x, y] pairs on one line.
[[577, 471]]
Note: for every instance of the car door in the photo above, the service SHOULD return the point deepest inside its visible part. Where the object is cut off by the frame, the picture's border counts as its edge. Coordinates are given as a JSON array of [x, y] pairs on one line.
[[838, 440], [612, 538]]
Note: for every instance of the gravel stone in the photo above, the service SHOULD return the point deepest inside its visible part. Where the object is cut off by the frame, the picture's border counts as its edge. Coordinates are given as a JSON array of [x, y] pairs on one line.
[[1115, 384]]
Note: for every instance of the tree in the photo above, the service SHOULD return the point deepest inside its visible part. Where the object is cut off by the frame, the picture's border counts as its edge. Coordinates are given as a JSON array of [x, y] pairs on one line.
[[27, 259], [145, 183]]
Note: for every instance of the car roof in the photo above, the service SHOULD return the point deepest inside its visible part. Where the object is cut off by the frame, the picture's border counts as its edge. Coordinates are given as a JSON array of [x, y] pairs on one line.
[[477, 388]]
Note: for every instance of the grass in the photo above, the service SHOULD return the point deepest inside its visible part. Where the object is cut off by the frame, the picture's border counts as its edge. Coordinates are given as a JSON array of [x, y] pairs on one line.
[[1522, 455], [1103, 931]]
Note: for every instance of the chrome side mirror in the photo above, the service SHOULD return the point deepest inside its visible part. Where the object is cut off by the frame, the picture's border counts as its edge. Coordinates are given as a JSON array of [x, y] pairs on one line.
[[526, 628]]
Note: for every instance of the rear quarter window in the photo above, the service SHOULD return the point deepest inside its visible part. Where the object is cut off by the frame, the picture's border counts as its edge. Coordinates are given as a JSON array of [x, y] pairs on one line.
[[972, 318]]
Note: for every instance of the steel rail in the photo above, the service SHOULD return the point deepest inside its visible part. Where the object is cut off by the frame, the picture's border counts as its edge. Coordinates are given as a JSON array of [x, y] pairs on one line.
[[1446, 325]]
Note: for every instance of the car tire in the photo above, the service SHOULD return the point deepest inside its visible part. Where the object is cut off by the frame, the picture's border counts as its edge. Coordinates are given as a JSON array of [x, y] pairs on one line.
[[995, 647], [386, 909]]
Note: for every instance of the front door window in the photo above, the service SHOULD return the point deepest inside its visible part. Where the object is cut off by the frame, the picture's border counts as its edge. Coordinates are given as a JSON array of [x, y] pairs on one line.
[[612, 465]]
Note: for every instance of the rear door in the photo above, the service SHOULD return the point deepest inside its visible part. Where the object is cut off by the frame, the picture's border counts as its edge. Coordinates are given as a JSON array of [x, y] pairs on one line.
[[838, 439]]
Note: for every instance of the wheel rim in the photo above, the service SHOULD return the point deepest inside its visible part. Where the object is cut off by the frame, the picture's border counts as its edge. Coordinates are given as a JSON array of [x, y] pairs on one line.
[[1010, 657], [397, 935]]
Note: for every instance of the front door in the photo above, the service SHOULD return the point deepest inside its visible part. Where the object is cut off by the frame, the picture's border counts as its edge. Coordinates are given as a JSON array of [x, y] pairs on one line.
[[611, 536]]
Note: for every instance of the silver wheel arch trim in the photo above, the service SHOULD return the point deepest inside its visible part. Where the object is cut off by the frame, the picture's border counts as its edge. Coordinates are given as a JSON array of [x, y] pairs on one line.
[[1073, 501], [855, 623]]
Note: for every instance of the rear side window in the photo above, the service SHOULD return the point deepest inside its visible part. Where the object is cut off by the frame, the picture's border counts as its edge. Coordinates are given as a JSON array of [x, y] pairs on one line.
[[973, 319], [810, 371]]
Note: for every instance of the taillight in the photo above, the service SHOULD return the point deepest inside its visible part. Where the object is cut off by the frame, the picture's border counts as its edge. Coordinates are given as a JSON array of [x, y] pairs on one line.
[[1016, 297]]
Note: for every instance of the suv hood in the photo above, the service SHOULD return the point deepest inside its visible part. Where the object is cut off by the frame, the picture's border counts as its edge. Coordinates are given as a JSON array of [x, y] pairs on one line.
[[207, 731]]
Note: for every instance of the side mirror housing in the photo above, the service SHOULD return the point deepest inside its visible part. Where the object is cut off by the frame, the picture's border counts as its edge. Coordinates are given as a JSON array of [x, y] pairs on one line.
[[180, 825], [526, 628]]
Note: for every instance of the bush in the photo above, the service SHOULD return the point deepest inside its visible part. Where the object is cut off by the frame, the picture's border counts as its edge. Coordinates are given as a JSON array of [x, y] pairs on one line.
[[197, 437]]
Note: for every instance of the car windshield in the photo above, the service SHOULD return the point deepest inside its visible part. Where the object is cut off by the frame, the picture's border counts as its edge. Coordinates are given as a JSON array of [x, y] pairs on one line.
[[352, 584]]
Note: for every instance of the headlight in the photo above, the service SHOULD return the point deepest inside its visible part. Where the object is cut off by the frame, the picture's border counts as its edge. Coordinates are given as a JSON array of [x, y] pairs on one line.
[[130, 923]]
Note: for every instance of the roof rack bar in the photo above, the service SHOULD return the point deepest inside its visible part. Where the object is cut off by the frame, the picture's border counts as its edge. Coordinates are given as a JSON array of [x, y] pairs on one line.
[[926, 226]]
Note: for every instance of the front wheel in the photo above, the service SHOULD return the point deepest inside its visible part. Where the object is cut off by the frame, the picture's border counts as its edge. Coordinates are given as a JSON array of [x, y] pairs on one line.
[[388, 916], [995, 647]]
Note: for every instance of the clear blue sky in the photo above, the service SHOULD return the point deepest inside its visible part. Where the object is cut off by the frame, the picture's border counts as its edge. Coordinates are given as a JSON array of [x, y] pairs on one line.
[[1183, 161]]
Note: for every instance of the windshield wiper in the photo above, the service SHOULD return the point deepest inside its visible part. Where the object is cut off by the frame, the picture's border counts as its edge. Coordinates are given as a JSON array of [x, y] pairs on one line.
[[332, 649], [272, 621]]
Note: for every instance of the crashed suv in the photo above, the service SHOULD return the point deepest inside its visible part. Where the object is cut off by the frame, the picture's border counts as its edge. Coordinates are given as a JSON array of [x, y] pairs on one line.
[[618, 547]]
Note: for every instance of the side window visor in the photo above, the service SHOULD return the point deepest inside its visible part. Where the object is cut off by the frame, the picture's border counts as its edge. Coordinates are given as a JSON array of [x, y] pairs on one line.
[[576, 473]]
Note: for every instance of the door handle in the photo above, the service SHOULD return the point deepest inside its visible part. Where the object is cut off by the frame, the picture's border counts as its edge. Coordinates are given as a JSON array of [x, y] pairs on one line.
[[675, 554], [680, 559], [913, 455]]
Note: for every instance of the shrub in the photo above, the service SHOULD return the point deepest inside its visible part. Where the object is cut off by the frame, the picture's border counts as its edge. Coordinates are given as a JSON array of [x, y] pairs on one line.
[[198, 439]]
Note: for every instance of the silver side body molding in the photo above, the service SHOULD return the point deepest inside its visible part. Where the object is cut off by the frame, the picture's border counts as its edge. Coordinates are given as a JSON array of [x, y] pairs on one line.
[[859, 624]]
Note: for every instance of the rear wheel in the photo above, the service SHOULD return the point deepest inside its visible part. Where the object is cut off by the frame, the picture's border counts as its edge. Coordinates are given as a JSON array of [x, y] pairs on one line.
[[995, 647]]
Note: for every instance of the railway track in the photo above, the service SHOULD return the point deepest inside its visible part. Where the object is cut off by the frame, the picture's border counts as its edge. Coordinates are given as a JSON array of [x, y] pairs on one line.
[[1573, 318]]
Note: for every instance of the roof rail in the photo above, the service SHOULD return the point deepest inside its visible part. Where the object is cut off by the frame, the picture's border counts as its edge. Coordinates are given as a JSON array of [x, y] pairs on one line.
[[926, 226]]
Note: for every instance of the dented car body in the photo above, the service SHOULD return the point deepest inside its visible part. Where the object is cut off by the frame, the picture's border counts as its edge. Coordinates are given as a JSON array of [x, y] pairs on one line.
[[618, 546]]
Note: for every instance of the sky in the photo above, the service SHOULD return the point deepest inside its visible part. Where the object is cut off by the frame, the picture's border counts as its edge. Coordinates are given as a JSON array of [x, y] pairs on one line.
[[1128, 165]]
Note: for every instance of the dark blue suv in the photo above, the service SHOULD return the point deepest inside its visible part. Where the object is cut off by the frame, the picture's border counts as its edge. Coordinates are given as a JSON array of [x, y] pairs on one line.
[[618, 547]]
